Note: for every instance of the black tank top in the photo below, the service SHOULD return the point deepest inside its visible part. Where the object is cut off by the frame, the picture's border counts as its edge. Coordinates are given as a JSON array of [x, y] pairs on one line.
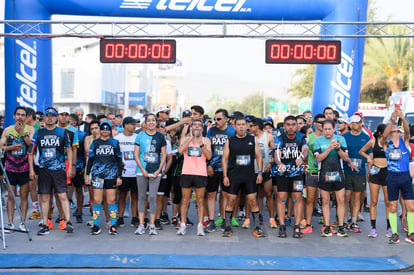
[[241, 159], [377, 151]]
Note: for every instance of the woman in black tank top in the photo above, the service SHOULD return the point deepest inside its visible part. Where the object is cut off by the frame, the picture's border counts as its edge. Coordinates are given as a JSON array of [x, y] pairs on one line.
[[377, 165]]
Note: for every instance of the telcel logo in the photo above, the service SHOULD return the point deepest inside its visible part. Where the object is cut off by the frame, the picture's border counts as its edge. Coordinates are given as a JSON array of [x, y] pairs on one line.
[[200, 5], [343, 84], [27, 74]]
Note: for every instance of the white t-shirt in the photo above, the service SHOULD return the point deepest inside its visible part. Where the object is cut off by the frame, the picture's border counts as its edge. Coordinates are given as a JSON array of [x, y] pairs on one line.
[[127, 145]]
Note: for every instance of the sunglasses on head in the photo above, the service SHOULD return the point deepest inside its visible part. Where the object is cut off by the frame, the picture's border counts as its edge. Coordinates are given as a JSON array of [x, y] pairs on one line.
[[218, 118]]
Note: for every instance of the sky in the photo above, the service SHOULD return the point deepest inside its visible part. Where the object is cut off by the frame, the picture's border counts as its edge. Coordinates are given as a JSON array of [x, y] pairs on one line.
[[236, 67]]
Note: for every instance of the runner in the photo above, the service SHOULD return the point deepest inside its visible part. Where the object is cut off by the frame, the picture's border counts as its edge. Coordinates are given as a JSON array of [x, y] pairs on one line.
[[398, 178], [52, 141], [218, 136], [312, 176], [330, 150], [377, 175], [150, 155], [355, 179], [266, 144], [238, 172], [196, 150], [129, 180], [15, 141], [291, 150], [103, 172]]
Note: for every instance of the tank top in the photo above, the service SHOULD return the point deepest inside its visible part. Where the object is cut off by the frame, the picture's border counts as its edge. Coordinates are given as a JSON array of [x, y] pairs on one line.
[[241, 159], [378, 152], [398, 158], [265, 150], [194, 161]]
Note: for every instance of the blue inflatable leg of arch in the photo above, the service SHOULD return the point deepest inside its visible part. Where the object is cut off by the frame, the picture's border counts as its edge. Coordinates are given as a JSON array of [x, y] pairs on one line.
[[28, 62]]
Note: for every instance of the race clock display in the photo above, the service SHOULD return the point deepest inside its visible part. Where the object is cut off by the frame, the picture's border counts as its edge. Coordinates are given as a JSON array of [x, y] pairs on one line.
[[303, 51], [137, 51]]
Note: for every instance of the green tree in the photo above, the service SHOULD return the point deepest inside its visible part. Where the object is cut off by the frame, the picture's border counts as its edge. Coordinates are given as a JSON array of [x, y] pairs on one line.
[[302, 83]]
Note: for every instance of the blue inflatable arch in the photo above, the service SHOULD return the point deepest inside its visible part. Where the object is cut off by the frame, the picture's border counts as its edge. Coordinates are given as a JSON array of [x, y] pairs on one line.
[[28, 61]]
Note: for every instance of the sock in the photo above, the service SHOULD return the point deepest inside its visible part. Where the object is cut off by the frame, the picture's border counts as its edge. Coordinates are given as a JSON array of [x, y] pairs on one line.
[[354, 220], [410, 222], [393, 222], [241, 207], [97, 208], [127, 206], [228, 216], [36, 206], [373, 223], [255, 217], [211, 220], [365, 201], [388, 224], [112, 208]]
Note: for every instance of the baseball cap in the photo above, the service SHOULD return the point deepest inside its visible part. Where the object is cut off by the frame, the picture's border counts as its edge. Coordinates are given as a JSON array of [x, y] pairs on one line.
[[129, 120], [62, 110], [163, 108], [359, 114], [186, 113], [355, 118], [50, 111], [105, 125]]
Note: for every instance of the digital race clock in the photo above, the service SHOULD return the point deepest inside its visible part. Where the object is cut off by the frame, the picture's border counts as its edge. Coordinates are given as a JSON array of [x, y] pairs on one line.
[[137, 51], [303, 51]]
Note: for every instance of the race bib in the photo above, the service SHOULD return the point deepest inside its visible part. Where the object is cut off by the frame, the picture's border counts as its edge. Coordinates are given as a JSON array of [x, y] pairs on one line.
[[128, 155], [395, 154], [374, 170], [49, 153], [218, 151], [194, 152], [332, 177], [298, 185], [356, 162], [242, 160], [98, 183], [151, 157]]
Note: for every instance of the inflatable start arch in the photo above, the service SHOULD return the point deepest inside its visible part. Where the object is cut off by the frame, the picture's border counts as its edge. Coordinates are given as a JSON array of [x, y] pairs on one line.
[[29, 63]]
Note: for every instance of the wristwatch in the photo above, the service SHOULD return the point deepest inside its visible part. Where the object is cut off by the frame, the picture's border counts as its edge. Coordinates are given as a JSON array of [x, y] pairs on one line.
[[202, 145]]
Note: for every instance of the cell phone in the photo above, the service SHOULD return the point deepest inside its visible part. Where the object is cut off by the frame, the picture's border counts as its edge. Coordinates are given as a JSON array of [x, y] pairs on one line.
[[398, 107]]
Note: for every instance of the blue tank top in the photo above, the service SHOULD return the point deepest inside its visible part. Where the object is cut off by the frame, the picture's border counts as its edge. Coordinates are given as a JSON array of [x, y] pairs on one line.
[[398, 158]]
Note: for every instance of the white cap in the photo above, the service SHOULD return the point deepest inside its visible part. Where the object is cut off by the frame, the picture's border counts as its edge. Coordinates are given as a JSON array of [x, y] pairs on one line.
[[62, 110], [355, 118], [162, 108]]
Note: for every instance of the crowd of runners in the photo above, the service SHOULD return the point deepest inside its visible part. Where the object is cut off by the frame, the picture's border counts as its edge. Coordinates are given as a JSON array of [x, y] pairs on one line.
[[150, 167]]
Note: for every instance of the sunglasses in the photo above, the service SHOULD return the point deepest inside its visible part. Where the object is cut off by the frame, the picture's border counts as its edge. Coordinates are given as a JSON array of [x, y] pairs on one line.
[[341, 121], [218, 118], [307, 117], [166, 112], [320, 122]]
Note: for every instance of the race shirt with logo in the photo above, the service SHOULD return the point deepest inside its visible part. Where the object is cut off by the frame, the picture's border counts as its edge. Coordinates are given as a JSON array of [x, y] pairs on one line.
[[355, 143], [218, 138], [17, 160], [51, 145], [149, 151], [127, 144], [331, 168], [105, 159], [398, 157], [290, 149]]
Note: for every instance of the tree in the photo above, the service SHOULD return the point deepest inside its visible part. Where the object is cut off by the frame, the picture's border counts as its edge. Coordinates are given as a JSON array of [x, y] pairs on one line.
[[302, 83]]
